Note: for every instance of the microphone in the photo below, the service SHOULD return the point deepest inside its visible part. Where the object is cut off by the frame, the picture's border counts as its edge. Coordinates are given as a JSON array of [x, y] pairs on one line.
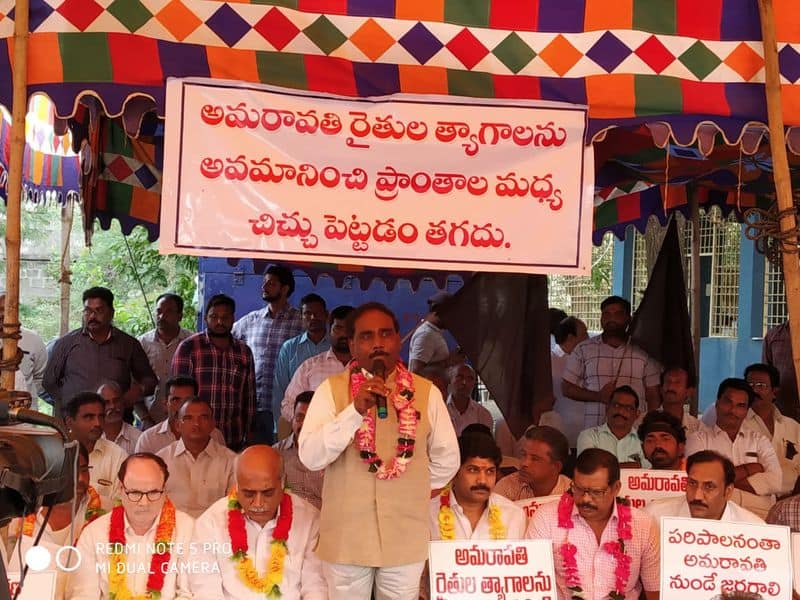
[[379, 370]]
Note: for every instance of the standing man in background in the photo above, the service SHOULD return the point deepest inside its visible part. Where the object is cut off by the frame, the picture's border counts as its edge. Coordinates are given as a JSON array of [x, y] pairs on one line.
[[265, 330]]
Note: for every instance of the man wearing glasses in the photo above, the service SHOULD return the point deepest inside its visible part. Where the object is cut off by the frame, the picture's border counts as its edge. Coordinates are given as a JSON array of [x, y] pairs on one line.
[[586, 527], [617, 435], [132, 528], [201, 469], [765, 418], [758, 472], [709, 488]]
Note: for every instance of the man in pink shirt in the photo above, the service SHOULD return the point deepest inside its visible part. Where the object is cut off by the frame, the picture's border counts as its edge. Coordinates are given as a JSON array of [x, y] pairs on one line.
[[591, 528]]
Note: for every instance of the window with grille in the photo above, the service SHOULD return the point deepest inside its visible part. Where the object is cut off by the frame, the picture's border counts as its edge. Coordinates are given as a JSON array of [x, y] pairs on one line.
[[775, 311], [581, 296], [640, 274]]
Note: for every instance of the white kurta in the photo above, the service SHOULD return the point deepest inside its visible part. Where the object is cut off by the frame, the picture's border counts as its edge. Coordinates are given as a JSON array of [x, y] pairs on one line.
[[302, 571], [511, 515]]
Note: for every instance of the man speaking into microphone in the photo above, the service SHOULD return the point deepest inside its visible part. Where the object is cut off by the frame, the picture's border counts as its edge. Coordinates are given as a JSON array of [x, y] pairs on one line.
[[380, 469]]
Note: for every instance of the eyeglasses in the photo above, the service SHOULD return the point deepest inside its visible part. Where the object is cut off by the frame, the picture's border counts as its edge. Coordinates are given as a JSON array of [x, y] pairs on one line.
[[627, 407], [758, 385], [578, 492], [136, 495]]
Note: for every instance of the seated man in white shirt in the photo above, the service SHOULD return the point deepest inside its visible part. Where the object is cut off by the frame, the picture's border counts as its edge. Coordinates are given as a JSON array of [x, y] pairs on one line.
[[201, 469], [544, 452], [758, 472], [616, 435], [114, 428], [462, 408], [468, 509], [676, 388], [85, 415], [179, 389], [146, 516], [708, 492], [275, 532]]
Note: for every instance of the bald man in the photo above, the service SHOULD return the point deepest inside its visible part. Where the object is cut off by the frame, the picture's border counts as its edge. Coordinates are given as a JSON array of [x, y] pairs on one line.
[[260, 509], [114, 428]]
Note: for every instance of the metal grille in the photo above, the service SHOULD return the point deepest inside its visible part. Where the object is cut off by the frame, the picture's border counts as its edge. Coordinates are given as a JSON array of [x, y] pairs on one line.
[[581, 296], [775, 311], [640, 274], [725, 241]]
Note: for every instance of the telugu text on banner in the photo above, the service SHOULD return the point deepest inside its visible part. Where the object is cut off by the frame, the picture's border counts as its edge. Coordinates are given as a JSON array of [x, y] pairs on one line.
[[434, 183]]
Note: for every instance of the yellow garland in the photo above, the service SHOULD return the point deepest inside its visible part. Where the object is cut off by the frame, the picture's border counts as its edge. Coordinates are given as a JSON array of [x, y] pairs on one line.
[[264, 585], [497, 530], [447, 523]]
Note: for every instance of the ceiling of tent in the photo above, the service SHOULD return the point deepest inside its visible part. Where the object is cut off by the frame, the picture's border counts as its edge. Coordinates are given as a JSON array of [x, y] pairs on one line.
[[654, 74]]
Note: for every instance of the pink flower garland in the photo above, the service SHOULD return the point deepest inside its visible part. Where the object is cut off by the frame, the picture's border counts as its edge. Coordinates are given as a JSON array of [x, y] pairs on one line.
[[402, 398], [569, 551]]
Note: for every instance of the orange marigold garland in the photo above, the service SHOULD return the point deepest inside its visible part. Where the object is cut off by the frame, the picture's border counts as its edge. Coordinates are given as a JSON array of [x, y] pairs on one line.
[[94, 509], [118, 574], [271, 582]]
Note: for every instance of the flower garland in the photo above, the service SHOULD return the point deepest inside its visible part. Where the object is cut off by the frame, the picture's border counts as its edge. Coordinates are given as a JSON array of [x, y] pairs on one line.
[[447, 519], [569, 551], [117, 576], [402, 398], [270, 583], [93, 510]]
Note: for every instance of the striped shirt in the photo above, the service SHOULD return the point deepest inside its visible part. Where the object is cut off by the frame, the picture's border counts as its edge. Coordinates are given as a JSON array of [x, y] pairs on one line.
[[226, 379], [265, 334]]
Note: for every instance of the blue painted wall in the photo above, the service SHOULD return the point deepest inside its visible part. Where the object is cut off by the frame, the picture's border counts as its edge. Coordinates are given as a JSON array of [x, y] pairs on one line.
[[719, 357]]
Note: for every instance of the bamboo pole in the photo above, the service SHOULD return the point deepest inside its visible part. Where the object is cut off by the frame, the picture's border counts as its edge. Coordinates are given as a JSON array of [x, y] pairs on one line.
[[694, 208], [18, 111], [65, 280], [783, 184]]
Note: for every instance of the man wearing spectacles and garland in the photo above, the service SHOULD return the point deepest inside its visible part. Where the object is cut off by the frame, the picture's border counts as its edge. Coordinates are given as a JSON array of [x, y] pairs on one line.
[[617, 434], [139, 549], [602, 547], [709, 488]]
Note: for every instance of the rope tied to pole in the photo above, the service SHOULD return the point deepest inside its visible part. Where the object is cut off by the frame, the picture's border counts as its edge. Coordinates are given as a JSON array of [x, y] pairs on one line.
[[13, 363], [764, 228]]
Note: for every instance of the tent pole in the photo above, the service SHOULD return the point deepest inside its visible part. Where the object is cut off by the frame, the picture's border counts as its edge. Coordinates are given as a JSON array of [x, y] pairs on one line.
[[783, 184], [65, 280], [19, 109], [694, 207]]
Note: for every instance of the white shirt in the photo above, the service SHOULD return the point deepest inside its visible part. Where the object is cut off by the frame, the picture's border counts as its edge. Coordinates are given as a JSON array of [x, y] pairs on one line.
[[104, 462], [194, 484], [691, 423], [785, 431], [160, 436], [511, 515], [308, 377], [571, 411], [475, 413], [126, 438], [679, 507], [90, 583], [31, 368], [302, 574], [428, 344], [748, 447], [325, 434]]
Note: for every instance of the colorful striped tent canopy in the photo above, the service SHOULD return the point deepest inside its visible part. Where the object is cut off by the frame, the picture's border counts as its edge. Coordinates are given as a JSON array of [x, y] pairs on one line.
[[695, 77]]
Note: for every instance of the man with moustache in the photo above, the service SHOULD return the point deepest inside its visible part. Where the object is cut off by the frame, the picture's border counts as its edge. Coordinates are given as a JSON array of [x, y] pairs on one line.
[[585, 520], [160, 345], [85, 357], [468, 509], [663, 441], [224, 370], [603, 363], [114, 428], [257, 513], [544, 452], [676, 388], [85, 416], [765, 418], [379, 472], [313, 371], [144, 517], [616, 435], [758, 472], [265, 330], [709, 487], [303, 482], [294, 351], [462, 408]]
